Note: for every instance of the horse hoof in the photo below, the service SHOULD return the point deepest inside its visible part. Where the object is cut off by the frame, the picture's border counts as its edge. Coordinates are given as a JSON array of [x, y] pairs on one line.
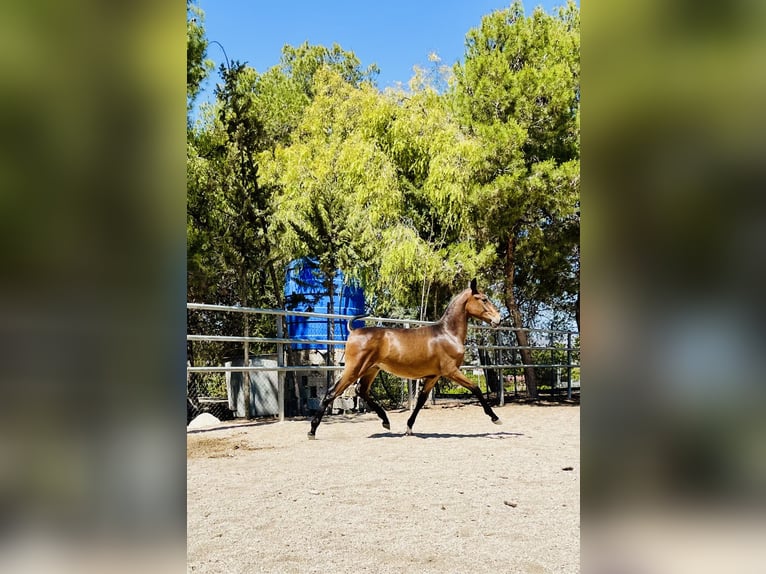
[[387, 426], [312, 436], [408, 432], [497, 421]]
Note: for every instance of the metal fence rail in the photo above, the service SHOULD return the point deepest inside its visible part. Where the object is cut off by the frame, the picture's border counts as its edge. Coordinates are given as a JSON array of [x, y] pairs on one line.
[[478, 334]]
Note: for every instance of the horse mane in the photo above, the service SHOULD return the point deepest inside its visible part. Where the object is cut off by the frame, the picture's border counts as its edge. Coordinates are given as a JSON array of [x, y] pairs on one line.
[[453, 304]]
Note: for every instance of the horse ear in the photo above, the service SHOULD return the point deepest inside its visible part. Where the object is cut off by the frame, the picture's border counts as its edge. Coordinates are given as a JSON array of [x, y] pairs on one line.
[[473, 286]]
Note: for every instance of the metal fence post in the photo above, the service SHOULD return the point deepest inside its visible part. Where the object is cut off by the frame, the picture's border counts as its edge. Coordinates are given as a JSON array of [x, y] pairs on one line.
[[500, 375], [554, 386], [280, 373], [246, 381], [569, 365]]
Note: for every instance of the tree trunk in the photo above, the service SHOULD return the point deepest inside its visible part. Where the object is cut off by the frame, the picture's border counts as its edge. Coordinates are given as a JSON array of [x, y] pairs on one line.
[[577, 312], [516, 320]]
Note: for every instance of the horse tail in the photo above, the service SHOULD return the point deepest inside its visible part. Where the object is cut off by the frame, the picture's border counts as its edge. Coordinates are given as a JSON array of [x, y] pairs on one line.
[[350, 322]]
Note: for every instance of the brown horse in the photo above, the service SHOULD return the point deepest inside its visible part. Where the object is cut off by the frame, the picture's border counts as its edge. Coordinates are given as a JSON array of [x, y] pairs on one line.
[[426, 353]]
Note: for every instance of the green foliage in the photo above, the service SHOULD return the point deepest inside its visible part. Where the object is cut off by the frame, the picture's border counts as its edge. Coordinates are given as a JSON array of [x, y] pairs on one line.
[[303, 62], [431, 252], [389, 391], [525, 71], [230, 256], [336, 188], [280, 103], [450, 388], [197, 67]]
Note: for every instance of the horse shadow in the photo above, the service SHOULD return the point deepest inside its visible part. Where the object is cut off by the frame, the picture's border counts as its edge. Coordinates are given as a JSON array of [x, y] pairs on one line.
[[490, 435]]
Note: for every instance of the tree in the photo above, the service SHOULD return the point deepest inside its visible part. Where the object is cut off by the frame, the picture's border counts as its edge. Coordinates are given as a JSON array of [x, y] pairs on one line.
[[336, 188], [518, 92], [430, 252], [229, 207], [375, 184], [197, 66], [231, 254], [302, 63]]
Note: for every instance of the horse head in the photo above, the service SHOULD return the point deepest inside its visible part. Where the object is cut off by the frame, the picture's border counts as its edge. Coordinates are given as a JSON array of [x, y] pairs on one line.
[[480, 307]]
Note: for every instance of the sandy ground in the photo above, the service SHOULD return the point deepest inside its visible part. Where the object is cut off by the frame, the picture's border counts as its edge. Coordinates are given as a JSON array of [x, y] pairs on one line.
[[462, 495]]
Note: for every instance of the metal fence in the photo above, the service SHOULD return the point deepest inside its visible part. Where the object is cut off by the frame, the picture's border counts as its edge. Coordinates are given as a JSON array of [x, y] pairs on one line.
[[493, 359]]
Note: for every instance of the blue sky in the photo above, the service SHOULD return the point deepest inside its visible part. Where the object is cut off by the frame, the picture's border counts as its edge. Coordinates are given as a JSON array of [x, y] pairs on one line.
[[394, 34]]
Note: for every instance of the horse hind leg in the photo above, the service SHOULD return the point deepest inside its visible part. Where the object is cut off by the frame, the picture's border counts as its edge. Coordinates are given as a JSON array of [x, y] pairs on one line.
[[364, 390], [462, 380], [349, 376]]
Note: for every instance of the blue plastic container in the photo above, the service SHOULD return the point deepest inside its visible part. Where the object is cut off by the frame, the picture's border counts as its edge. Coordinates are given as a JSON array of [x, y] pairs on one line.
[[304, 292]]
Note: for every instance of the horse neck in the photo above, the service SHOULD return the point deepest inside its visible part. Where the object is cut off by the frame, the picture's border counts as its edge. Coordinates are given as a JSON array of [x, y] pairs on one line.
[[455, 318]]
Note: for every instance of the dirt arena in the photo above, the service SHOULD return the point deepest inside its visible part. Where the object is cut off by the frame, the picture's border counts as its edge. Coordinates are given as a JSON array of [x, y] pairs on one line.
[[462, 495]]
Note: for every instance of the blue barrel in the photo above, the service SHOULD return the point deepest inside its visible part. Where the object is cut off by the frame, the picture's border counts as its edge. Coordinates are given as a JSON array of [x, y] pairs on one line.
[[304, 292]]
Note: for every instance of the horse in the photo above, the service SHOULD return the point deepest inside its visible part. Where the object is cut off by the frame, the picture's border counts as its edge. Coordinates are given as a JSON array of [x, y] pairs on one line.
[[425, 353]]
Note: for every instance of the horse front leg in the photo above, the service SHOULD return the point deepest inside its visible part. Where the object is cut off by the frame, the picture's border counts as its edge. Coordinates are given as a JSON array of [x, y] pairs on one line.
[[428, 384], [462, 380]]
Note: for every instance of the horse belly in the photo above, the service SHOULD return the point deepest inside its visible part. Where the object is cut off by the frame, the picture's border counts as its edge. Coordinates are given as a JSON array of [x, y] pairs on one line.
[[409, 370]]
